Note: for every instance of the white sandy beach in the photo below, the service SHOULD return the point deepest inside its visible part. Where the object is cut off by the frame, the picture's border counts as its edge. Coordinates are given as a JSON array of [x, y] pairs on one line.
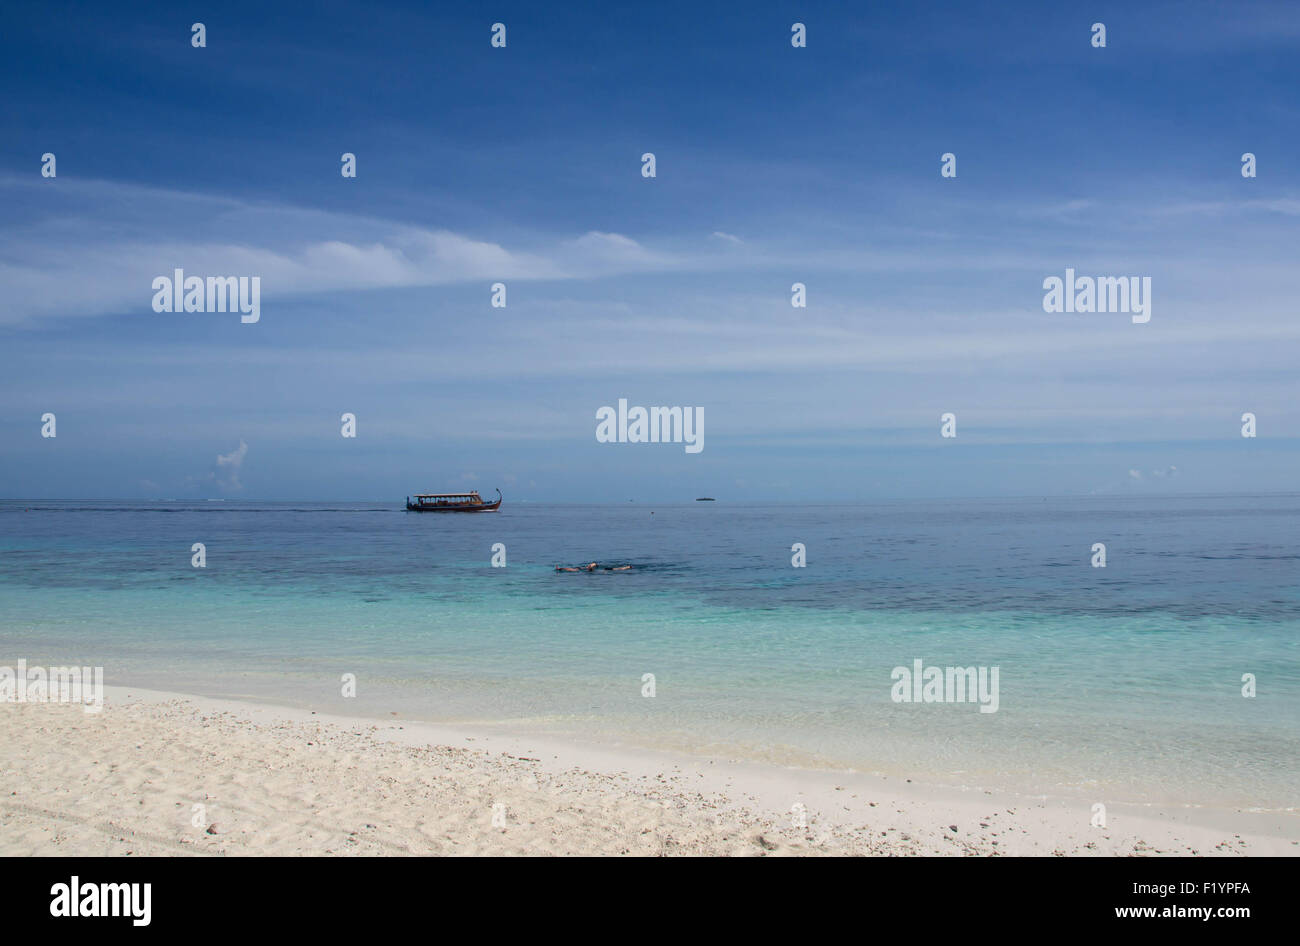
[[280, 781]]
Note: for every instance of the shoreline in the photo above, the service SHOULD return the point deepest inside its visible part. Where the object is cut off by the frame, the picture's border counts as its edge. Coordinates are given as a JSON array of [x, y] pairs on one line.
[[282, 780], [1138, 763]]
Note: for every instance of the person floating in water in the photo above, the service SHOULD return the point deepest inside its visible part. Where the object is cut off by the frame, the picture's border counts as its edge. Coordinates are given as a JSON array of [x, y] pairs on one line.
[[593, 566]]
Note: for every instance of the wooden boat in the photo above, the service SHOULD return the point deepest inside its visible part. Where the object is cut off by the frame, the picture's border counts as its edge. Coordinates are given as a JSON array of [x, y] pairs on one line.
[[451, 502]]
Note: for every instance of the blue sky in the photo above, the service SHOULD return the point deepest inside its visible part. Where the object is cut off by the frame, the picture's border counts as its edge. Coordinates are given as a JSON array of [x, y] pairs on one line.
[[775, 165]]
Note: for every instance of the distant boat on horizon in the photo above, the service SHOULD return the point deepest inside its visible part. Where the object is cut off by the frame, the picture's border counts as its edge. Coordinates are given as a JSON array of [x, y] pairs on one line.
[[451, 502], [705, 499]]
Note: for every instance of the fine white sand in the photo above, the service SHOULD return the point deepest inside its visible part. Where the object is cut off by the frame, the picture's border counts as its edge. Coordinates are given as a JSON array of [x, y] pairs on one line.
[[271, 780]]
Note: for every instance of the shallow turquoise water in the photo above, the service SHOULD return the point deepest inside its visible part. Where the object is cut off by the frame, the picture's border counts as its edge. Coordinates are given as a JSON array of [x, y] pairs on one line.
[[1122, 682]]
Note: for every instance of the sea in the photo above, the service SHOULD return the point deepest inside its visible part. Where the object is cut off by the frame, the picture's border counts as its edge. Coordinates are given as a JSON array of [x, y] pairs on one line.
[[1169, 676]]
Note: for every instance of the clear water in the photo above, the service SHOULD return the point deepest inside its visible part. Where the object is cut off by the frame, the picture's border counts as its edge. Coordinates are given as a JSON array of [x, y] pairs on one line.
[[1116, 683]]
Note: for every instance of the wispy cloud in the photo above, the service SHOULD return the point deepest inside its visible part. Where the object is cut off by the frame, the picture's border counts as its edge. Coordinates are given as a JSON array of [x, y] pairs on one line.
[[50, 268], [1059, 211], [595, 247], [1289, 206]]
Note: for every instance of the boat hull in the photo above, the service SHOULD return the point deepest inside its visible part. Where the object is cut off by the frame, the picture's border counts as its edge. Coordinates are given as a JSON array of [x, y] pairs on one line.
[[483, 507], [456, 506]]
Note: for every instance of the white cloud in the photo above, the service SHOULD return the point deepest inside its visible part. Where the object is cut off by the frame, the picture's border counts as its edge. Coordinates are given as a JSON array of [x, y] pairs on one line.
[[228, 467], [106, 264], [595, 248]]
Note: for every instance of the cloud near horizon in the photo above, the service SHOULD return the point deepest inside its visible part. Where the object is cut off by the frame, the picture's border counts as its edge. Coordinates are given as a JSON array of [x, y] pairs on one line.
[[229, 466]]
